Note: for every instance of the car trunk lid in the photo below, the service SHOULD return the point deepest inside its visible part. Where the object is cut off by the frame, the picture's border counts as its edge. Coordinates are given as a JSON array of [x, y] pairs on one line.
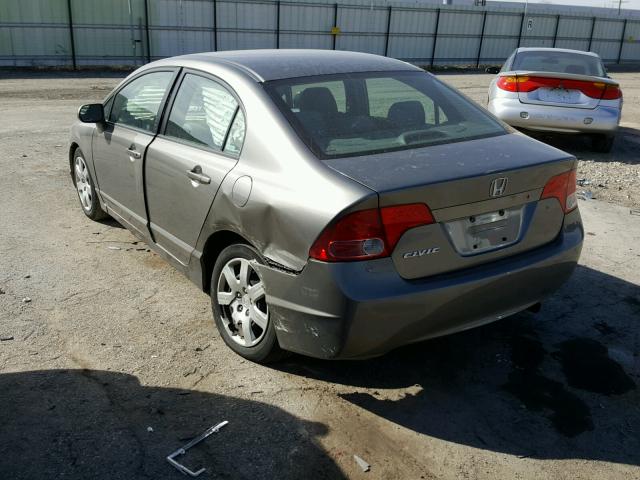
[[484, 196], [560, 89]]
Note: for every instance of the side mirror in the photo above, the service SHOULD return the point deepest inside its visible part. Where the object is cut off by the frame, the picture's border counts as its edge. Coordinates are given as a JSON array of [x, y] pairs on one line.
[[91, 113], [493, 70]]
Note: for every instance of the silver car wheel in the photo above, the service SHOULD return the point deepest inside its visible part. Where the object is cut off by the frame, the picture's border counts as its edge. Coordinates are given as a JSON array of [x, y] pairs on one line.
[[85, 193], [241, 297]]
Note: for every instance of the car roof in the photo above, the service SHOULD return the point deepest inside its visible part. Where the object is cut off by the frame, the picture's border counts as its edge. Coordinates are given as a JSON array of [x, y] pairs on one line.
[[548, 49], [270, 64]]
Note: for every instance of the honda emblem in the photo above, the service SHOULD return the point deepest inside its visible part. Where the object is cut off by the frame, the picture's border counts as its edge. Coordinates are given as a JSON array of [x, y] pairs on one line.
[[498, 186]]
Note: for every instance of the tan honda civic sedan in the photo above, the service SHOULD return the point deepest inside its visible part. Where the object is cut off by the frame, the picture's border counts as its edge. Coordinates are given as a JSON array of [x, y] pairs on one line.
[[334, 204]]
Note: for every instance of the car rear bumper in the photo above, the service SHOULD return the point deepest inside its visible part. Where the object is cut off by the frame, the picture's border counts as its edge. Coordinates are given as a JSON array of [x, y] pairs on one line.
[[364, 309], [603, 119]]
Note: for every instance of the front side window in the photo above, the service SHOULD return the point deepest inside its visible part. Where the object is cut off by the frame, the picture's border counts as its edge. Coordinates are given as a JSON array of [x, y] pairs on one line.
[[384, 112], [202, 113], [107, 106], [137, 105]]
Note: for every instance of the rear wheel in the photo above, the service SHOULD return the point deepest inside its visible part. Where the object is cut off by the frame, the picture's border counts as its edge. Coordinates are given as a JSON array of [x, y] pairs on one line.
[[86, 188], [602, 143], [240, 307]]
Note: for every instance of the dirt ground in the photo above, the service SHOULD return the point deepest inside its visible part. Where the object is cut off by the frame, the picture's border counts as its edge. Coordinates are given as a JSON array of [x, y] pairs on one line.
[[109, 359]]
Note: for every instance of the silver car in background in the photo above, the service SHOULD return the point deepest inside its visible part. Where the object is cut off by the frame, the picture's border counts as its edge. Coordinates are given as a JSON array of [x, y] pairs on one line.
[[335, 204], [557, 90]]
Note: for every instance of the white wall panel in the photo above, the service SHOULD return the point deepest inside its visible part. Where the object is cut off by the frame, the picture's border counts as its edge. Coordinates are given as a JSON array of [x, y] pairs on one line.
[[113, 32]]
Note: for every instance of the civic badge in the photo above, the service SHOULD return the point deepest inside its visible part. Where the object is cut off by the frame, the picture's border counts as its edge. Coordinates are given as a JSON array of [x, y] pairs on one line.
[[498, 186]]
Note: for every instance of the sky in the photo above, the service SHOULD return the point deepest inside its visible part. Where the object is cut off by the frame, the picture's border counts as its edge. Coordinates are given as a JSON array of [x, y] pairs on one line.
[[630, 4]]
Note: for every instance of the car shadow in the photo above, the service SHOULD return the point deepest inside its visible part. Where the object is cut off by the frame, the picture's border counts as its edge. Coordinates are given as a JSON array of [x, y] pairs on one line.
[[106, 425], [554, 385], [624, 150], [110, 222]]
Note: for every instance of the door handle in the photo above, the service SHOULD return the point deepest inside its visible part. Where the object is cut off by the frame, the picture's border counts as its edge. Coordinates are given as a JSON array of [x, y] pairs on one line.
[[196, 175], [133, 152]]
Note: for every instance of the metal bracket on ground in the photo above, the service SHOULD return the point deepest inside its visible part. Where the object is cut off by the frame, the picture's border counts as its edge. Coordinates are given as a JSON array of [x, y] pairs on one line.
[[181, 451]]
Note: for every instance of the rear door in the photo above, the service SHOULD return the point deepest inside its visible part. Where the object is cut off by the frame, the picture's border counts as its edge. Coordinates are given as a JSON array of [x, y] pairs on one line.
[[119, 146], [199, 144]]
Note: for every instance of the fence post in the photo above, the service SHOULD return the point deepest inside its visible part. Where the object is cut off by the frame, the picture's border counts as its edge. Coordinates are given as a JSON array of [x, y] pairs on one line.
[[386, 42], [278, 26], [484, 21], [146, 29], [555, 33], [624, 32], [435, 38], [593, 26], [335, 23], [215, 26], [520, 32], [73, 43]]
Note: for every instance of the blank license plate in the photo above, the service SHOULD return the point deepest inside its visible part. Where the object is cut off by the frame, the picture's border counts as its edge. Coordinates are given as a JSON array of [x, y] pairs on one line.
[[559, 95], [487, 231]]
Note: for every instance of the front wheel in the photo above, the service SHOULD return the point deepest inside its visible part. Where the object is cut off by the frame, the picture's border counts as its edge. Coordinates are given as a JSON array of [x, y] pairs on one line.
[[240, 307]]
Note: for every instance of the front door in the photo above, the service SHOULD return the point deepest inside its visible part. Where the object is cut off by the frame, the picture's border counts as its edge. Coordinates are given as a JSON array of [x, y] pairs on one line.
[[187, 162], [119, 146]]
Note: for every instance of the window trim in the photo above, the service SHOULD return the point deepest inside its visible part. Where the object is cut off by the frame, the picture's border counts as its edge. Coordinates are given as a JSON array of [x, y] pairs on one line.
[[163, 102], [169, 107]]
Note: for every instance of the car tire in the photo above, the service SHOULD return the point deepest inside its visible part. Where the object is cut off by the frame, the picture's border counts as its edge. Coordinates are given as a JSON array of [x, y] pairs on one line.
[[239, 305], [85, 188], [602, 143]]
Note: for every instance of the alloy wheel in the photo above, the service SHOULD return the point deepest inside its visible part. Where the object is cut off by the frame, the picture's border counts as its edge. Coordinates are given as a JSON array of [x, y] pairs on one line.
[[241, 296], [83, 185]]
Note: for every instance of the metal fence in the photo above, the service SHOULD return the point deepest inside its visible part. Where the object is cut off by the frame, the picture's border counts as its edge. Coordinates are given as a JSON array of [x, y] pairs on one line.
[[131, 32]]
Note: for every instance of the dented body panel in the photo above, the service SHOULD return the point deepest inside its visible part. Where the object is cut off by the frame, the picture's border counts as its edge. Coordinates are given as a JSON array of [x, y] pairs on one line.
[[363, 309]]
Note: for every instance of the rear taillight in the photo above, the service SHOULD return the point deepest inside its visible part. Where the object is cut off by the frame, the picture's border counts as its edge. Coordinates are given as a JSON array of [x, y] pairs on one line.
[[612, 92], [524, 83], [368, 234], [508, 83], [562, 187]]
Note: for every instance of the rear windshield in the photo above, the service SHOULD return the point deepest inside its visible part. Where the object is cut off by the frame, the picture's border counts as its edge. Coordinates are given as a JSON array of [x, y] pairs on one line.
[[560, 62], [357, 114]]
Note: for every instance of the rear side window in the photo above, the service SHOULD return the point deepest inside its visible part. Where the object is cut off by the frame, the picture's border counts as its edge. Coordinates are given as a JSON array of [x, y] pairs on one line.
[[507, 64], [236, 134], [203, 112], [383, 112], [559, 62], [138, 103]]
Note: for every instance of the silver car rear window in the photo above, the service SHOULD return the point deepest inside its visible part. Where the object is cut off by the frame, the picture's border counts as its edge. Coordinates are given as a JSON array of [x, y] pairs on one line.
[[559, 62], [357, 114]]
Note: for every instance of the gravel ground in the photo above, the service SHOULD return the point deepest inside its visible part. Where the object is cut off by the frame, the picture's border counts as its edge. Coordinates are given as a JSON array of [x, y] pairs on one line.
[[109, 359]]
